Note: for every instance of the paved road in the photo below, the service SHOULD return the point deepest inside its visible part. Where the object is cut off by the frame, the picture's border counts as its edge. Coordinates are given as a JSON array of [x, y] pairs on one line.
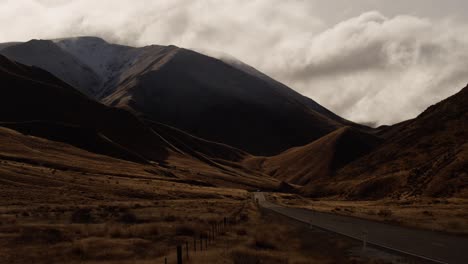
[[438, 247]]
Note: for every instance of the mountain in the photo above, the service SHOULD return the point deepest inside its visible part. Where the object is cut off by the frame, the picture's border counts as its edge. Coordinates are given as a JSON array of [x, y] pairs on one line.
[[226, 102], [425, 156], [35, 102], [46, 55], [319, 160], [108, 61], [8, 44], [213, 100]]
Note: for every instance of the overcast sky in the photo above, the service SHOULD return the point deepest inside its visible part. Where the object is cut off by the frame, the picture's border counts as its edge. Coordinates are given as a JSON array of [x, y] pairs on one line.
[[373, 61]]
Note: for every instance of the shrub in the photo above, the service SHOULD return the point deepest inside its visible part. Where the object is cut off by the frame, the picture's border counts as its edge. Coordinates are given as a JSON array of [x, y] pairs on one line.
[[128, 218], [82, 215], [385, 212], [243, 217], [241, 232], [263, 241], [169, 218], [41, 235], [185, 230], [427, 213], [371, 212]]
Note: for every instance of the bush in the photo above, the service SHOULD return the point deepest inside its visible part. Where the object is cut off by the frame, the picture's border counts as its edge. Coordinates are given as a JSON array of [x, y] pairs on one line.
[[385, 212], [427, 213], [41, 235], [169, 218], [264, 241], [82, 216], [241, 232], [128, 218], [185, 230]]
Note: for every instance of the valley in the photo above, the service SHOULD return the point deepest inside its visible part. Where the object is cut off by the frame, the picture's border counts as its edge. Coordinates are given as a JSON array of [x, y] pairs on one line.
[[118, 154]]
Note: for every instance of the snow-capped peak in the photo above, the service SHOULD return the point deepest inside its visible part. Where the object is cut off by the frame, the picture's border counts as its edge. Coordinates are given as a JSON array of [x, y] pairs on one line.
[[103, 58]]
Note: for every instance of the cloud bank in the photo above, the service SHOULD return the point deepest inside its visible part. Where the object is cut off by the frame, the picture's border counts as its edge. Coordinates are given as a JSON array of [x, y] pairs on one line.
[[368, 68], [377, 69]]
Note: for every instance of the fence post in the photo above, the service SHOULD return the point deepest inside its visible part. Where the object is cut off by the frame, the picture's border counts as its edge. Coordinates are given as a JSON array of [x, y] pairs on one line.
[[186, 249], [206, 242], [165, 260], [194, 244], [179, 254], [213, 231], [201, 242]]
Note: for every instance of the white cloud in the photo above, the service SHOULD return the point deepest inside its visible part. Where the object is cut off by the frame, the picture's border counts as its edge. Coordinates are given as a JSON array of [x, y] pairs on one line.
[[370, 68], [377, 69]]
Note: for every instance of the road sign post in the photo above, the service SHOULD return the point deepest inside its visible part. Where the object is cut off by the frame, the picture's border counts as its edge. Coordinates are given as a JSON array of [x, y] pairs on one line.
[[364, 240]]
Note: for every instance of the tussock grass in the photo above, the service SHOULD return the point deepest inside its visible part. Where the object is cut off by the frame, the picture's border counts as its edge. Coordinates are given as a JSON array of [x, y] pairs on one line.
[[446, 215]]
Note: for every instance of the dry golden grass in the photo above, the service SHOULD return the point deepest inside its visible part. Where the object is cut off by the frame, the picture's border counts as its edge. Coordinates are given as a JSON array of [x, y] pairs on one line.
[[446, 215], [107, 233], [60, 204], [149, 231], [266, 237], [85, 208]]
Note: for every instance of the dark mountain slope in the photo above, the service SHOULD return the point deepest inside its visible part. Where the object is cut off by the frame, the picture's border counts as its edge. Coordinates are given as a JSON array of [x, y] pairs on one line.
[[213, 100], [36, 102], [47, 55], [227, 102], [194, 146], [286, 91]]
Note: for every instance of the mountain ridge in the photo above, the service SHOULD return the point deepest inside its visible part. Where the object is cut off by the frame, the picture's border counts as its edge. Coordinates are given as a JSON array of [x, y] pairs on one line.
[[424, 156], [204, 96]]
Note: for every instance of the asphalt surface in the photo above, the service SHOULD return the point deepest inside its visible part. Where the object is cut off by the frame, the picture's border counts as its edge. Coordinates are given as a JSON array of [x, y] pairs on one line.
[[432, 246]]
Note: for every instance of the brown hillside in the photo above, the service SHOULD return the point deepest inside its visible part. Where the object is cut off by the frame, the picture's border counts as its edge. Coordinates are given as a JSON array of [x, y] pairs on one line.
[[426, 156], [319, 159]]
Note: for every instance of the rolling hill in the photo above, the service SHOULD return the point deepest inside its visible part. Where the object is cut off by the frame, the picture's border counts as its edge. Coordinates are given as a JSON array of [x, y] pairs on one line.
[[319, 160]]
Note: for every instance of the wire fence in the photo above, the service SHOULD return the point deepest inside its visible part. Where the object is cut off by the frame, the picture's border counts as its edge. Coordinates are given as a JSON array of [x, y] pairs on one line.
[[201, 242]]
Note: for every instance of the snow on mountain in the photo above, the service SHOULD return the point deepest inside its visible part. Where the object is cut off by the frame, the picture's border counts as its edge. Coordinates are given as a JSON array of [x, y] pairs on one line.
[[90, 64], [46, 55], [104, 58]]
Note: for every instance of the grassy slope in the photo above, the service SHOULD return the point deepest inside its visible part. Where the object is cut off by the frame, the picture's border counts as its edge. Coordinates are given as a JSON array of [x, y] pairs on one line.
[[426, 156], [318, 160]]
